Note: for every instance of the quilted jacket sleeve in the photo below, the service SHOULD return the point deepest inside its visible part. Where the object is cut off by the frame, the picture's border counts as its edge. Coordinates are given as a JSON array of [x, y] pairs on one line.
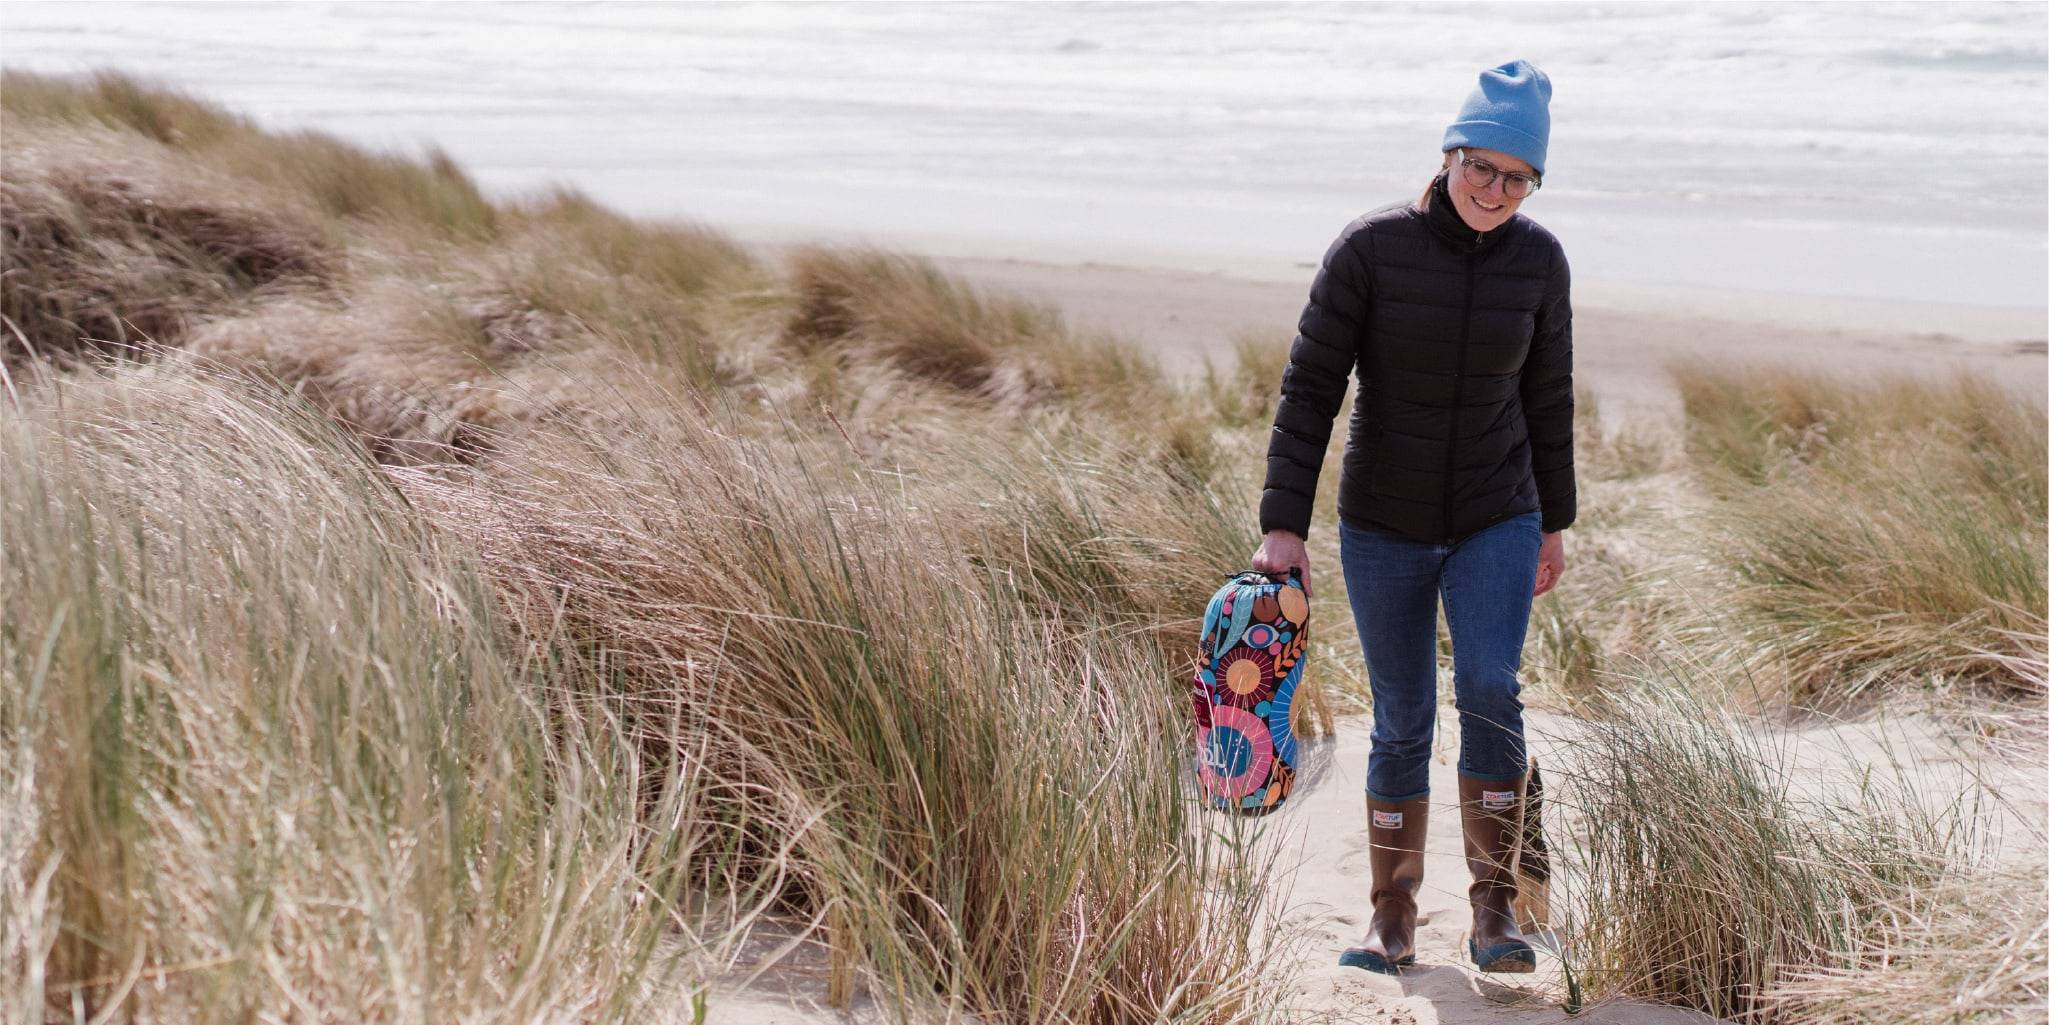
[[1546, 386], [1313, 386]]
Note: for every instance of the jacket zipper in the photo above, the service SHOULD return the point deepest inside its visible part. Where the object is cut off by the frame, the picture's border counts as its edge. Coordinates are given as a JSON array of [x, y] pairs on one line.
[[1458, 384]]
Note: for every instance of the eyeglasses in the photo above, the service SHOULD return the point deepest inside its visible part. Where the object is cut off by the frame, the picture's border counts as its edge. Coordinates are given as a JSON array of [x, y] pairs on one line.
[[1480, 174]]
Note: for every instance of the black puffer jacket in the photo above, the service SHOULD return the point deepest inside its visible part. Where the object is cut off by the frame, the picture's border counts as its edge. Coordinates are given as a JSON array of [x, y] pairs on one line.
[[1462, 343]]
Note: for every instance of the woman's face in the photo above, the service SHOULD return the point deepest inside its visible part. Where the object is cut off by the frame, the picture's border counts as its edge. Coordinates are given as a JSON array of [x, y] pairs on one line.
[[1489, 208]]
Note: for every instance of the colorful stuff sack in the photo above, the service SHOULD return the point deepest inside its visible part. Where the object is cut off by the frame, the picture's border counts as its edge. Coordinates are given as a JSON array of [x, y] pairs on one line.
[[1249, 662]]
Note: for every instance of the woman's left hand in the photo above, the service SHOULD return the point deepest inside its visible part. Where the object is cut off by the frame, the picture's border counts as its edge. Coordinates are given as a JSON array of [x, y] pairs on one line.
[[1550, 561]]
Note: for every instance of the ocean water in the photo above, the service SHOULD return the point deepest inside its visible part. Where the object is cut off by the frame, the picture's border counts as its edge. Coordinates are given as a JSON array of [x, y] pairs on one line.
[[1891, 151]]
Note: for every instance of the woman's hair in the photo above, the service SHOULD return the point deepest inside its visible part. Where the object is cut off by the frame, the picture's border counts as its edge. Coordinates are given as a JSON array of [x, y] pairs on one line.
[[1423, 201]]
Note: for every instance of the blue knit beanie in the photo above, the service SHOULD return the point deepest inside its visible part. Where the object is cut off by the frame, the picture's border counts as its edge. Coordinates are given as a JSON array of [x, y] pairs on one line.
[[1510, 111]]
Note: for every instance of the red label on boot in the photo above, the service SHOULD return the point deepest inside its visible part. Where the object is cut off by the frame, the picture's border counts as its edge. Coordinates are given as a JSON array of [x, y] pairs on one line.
[[1387, 819], [1495, 800]]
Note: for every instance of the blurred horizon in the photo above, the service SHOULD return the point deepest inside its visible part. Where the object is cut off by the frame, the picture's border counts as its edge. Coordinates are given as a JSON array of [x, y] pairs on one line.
[[1851, 151]]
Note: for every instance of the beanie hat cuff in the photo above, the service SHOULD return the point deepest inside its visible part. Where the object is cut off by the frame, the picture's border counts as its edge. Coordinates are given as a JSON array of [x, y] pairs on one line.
[[1499, 137]]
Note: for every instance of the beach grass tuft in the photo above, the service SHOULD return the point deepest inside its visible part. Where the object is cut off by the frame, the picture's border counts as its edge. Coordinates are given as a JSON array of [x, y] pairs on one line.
[[113, 99], [901, 309], [272, 749], [1880, 531], [1969, 950], [103, 254], [1722, 860]]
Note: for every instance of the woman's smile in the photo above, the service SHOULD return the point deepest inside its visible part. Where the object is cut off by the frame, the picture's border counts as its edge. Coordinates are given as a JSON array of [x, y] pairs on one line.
[[1484, 216], [1483, 207]]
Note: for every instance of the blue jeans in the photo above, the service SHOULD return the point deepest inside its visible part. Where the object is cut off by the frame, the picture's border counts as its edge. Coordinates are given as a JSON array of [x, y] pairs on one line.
[[1485, 579]]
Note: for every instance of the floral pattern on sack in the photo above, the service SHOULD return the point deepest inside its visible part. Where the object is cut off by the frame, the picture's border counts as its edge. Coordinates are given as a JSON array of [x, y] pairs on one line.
[[1248, 664]]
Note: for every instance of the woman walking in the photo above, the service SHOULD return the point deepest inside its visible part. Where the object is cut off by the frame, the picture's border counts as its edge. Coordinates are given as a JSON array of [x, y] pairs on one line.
[[1453, 312]]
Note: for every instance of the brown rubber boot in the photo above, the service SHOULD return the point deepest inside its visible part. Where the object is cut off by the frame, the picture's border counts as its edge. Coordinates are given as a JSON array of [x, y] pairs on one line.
[[1492, 815], [1396, 830]]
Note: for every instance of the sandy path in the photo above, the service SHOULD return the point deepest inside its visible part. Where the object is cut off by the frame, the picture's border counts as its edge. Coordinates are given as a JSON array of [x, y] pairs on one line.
[[1324, 836], [1326, 877]]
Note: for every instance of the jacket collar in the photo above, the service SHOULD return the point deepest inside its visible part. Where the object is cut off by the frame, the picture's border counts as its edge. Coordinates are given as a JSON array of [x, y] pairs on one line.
[[1446, 224]]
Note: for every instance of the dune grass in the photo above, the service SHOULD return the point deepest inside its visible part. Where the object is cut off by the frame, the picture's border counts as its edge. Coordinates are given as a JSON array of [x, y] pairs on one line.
[[1244, 392], [111, 99], [1751, 421], [271, 750], [1811, 541], [1717, 868], [1878, 532], [106, 253], [852, 721], [1972, 950], [655, 291], [501, 608], [900, 309], [794, 654], [873, 645], [342, 180]]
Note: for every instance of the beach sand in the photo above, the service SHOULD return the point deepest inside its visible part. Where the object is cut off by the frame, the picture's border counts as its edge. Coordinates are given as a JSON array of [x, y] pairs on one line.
[[1323, 865], [1624, 338], [1324, 836], [1320, 840], [1624, 335]]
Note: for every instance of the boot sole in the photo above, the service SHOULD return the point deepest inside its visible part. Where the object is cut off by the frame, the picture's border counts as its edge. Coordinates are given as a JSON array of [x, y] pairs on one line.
[[1504, 958], [1360, 957]]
